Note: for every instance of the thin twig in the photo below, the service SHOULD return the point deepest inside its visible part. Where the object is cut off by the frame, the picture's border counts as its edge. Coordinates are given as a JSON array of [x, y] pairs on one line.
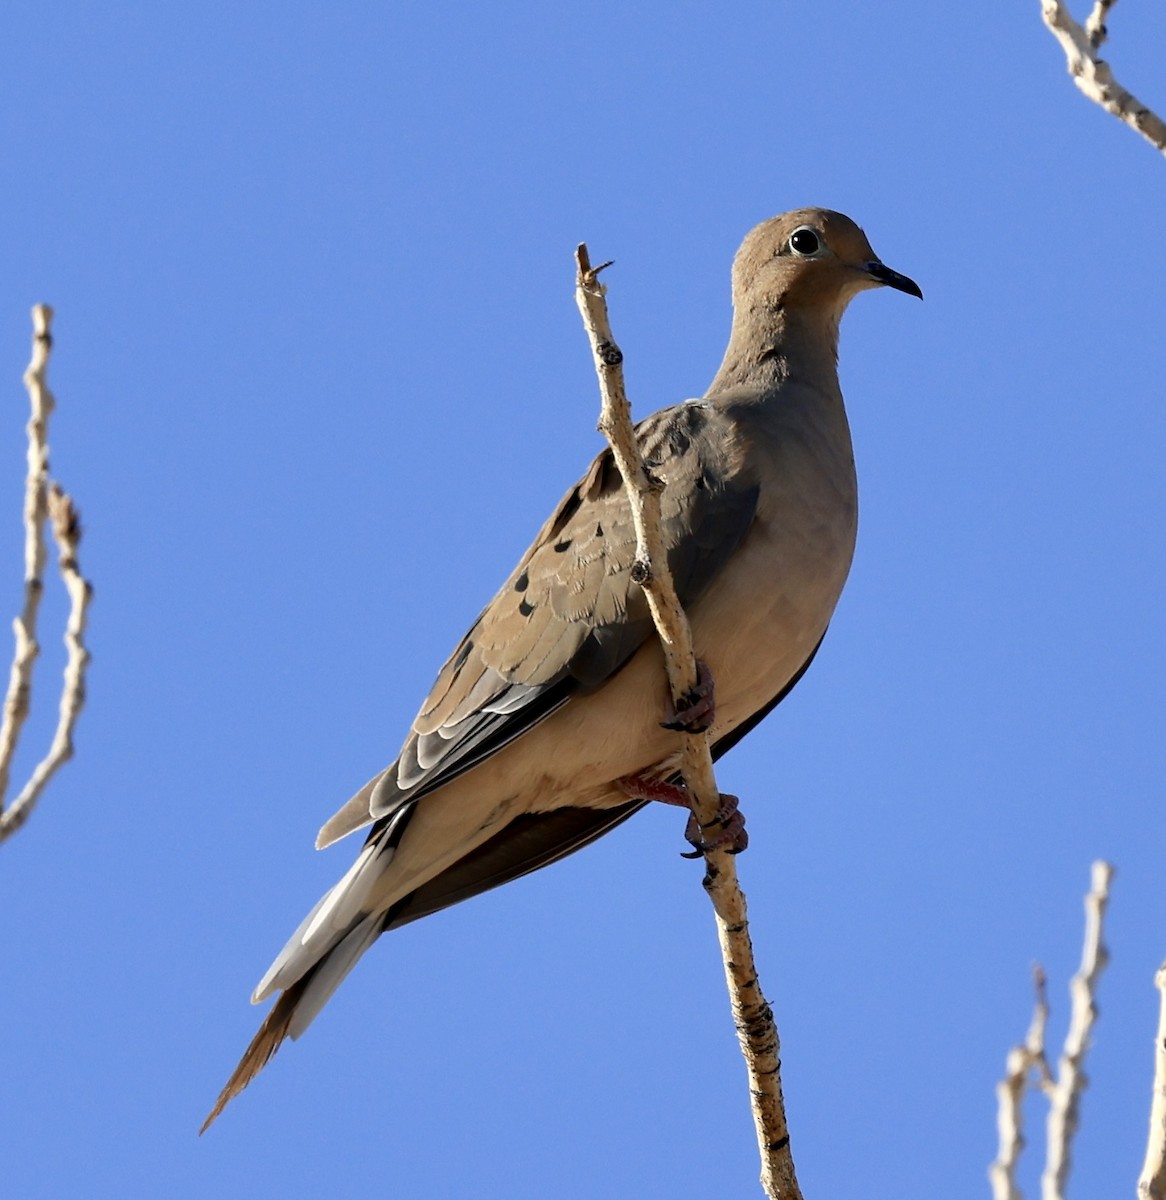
[[1022, 1061], [752, 1015], [1092, 74], [1152, 1182], [42, 501], [1096, 26], [35, 511], [1065, 1092]]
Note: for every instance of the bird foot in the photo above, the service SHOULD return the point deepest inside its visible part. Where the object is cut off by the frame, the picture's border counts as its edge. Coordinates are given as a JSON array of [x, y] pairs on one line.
[[726, 831], [696, 710]]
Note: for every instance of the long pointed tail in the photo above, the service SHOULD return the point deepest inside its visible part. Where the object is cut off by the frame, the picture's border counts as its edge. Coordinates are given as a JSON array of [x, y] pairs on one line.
[[298, 1006], [263, 1046]]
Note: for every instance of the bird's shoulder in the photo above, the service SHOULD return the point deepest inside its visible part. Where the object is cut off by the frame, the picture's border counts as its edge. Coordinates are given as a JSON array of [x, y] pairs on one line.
[[575, 579]]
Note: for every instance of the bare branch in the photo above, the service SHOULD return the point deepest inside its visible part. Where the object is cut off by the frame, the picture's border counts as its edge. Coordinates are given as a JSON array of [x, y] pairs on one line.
[[1152, 1182], [42, 501], [35, 511], [1092, 74], [752, 1015], [1065, 1093], [1022, 1061], [1096, 29]]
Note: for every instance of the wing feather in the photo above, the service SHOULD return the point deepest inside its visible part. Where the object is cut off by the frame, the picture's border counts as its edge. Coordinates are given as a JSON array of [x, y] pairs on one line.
[[570, 615]]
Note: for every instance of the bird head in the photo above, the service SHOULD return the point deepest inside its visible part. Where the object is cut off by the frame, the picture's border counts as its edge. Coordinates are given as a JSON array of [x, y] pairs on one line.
[[809, 258]]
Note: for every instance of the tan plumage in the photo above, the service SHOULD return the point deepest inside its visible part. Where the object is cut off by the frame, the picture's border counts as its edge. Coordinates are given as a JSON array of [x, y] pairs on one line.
[[558, 690]]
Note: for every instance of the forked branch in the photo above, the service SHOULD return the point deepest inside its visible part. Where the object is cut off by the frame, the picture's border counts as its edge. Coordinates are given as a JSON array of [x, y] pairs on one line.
[[44, 502], [1028, 1064], [1092, 74]]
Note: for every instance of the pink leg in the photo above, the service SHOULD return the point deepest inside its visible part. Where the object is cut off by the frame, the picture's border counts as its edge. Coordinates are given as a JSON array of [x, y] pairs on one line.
[[726, 831], [697, 709]]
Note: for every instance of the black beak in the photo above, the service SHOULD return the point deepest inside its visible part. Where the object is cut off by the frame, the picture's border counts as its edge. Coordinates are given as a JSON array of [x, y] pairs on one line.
[[889, 278]]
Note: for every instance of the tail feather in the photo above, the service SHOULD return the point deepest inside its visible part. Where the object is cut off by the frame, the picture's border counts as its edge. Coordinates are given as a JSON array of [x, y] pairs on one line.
[[328, 922], [336, 912], [332, 972], [263, 1047], [298, 1006], [274, 978]]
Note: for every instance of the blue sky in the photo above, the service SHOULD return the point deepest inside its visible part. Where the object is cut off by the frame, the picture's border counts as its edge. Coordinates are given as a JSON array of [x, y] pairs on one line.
[[320, 379]]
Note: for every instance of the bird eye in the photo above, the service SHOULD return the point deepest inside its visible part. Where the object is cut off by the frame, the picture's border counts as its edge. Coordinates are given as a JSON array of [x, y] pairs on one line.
[[804, 242]]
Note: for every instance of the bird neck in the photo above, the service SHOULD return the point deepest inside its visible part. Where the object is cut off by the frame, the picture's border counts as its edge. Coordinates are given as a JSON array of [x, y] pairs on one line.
[[769, 348]]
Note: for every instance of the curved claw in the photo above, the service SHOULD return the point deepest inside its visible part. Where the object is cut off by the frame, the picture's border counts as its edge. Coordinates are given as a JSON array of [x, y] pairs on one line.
[[696, 710], [726, 831]]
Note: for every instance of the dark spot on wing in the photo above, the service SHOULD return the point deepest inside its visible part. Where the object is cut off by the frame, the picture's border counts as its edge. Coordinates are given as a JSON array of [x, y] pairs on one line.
[[522, 582], [569, 508]]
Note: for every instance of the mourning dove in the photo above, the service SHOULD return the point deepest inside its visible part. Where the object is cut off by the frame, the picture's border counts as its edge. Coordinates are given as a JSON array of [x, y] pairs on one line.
[[556, 693]]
